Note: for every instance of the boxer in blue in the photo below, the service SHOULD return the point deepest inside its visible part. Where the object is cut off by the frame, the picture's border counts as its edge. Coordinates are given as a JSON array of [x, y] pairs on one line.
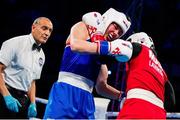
[[80, 71]]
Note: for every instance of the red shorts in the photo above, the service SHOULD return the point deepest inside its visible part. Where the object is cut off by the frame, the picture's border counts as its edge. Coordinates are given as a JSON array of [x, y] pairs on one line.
[[140, 109]]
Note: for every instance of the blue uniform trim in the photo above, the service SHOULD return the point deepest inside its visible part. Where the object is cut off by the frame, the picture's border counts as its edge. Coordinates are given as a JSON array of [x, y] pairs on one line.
[[104, 47]]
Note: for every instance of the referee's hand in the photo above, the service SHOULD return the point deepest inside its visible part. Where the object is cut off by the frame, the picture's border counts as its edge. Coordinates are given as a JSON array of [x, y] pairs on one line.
[[12, 103], [32, 112]]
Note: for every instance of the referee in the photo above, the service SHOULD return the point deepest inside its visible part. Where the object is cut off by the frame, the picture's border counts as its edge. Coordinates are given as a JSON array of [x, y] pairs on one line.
[[21, 63]]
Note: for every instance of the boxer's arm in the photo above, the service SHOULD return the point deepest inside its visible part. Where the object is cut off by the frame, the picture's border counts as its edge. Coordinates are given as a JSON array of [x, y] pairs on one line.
[[169, 99], [103, 88], [79, 39], [121, 49]]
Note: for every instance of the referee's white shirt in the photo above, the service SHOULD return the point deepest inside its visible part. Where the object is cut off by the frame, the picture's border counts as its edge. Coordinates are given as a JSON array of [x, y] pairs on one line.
[[23, 64]]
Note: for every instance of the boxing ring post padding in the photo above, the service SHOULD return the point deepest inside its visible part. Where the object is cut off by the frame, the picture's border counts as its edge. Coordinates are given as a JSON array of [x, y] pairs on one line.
[[101, 107]]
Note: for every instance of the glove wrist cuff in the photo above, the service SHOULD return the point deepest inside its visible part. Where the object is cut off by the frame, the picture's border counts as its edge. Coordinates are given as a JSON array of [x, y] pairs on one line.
[[103, 47], [120, 96]]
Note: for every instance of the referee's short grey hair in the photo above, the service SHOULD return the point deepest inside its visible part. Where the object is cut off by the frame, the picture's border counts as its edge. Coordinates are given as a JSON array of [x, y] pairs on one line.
[[36, 21]]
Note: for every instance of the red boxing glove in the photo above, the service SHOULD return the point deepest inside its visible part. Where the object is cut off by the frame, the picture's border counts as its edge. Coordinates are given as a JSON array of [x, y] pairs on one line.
[[97, 36]]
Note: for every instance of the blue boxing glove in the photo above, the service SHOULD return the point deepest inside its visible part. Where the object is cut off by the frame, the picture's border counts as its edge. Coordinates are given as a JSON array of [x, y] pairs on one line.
[[32, 112], [12, 103]]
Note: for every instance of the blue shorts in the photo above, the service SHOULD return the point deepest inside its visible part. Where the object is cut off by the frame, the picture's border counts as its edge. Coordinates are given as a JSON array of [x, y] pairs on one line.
[[69, 102]]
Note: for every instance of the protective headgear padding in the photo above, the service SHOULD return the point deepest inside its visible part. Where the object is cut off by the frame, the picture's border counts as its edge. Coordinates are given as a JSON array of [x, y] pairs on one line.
[[141, 38], [119, 18]]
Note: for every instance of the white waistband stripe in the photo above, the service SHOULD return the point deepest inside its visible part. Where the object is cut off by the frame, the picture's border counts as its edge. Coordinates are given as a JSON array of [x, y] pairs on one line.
[[76, 80], [145, 95]]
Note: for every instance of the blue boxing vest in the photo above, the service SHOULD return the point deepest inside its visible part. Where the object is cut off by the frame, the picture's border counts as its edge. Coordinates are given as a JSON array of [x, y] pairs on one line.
[[86, 65]]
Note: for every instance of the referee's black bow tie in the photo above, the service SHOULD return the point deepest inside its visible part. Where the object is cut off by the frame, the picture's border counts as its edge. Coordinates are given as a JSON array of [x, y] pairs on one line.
[[36, 47]]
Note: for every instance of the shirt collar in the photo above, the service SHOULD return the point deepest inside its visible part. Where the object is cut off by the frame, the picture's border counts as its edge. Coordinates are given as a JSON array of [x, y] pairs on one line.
[[32, 39]]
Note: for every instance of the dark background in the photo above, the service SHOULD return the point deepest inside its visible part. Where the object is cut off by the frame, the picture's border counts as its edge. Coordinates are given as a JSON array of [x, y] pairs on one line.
[[159, 18]]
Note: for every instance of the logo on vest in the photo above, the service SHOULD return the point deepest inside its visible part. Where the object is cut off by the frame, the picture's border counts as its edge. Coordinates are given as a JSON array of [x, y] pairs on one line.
[[154, 63]]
